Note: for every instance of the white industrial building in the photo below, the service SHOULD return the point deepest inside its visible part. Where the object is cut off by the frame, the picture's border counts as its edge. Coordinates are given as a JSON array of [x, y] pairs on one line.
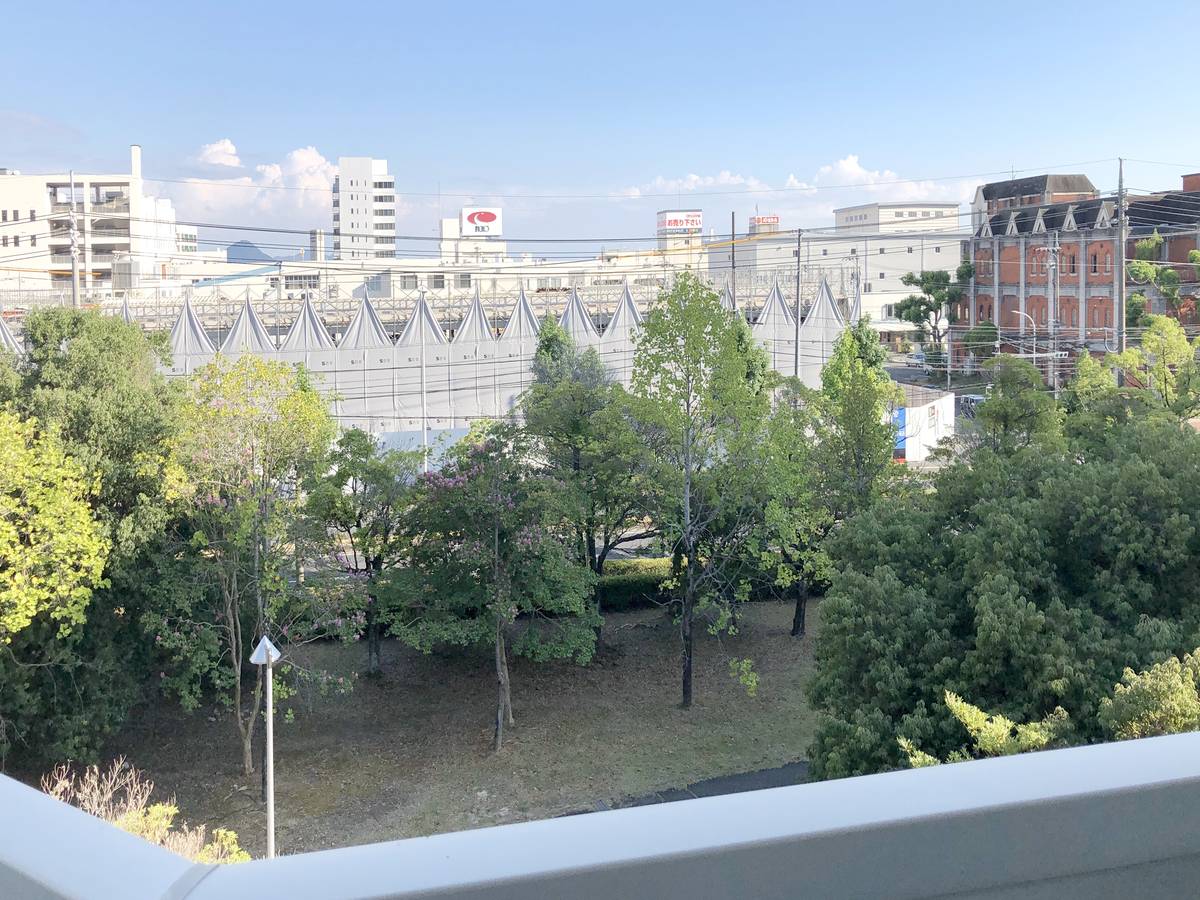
[[867, 251], [125, 238], [364, 209]]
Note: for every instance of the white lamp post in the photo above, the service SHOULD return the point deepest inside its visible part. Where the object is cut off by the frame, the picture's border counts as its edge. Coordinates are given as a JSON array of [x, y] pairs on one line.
[[266, 654]]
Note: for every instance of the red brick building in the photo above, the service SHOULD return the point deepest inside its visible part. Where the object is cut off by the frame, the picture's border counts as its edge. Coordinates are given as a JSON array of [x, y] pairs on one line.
[[1017, 223]]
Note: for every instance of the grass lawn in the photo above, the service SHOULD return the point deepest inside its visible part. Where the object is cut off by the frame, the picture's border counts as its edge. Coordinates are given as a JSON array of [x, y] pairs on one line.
[[410, 753]]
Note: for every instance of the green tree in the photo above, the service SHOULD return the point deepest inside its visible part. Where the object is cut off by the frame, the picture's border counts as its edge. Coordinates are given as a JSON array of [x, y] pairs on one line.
[[1144, 268], [703, 391], [93, 381], [1136, 305], [52, 551], [1160, 700], [854, 430], [1056, 565], [994, 735], [487, 549], [361, 502], [982, 340], [249, 434], [786, 545], [1164, 366], [582, 427], [931, 310], [1018, 411]]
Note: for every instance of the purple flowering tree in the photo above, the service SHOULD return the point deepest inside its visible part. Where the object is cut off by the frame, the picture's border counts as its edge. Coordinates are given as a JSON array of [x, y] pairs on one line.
[[487, 549]]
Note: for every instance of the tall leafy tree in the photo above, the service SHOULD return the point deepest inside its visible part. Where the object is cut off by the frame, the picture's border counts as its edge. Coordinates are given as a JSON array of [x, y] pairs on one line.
[[52, 550], [360, 503], [1164, 366], [249, 434], [855, 433], [1019, 411], [94, 382], [786, 543], [581, 424], [704, 394], [486, 537], [931, 309]]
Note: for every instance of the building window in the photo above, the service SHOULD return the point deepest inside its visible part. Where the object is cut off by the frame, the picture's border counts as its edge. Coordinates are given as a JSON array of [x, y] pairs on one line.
[[408, 282], [1108, 263], [824, 252], [910, 249], [33, 240], [912, 214], [881, 276], [899, 215], [1095, 265], [924, 214], [32, 215], [462, 280], [16, 240], [3, 215], [4, 241], [437, 282], [937, 249], [881, 250], [854, 251]]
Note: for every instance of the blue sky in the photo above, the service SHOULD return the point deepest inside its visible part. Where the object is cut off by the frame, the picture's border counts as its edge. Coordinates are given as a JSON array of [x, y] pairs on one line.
[[617, 100]]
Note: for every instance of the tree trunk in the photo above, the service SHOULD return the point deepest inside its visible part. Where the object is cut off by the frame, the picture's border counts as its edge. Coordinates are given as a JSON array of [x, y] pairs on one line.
[[373, 662], [801, 608], [247, 751], [504, 714], [685, 629]]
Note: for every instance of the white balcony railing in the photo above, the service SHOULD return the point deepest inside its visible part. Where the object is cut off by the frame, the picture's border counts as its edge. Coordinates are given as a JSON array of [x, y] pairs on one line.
[[1116, 820]]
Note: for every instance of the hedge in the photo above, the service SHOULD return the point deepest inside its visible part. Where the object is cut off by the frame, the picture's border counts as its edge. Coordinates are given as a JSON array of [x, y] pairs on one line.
[[632, 584]]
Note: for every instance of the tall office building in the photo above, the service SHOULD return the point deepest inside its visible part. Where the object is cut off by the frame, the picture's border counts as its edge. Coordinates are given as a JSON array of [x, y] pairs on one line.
[[364, 209]]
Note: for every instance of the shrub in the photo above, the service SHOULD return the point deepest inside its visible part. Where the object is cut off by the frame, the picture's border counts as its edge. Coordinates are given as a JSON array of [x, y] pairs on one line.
[[120, 795], [633, 584]]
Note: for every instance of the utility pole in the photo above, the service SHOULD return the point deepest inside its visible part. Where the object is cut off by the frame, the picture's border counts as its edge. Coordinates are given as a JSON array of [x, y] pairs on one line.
[[74, 248], [733, 259], [796, 349], [1052, 283], [1119, 252]]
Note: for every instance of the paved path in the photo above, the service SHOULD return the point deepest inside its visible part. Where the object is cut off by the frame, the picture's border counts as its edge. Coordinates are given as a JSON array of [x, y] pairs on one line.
[[783, 776]]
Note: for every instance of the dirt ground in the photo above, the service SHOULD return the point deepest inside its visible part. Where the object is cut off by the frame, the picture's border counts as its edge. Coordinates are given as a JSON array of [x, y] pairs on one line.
[[410, 753]]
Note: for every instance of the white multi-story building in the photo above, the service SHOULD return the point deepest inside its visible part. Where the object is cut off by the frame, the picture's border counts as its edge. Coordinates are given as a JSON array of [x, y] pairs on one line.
[[897, 217], [364, 209], [116, 221]]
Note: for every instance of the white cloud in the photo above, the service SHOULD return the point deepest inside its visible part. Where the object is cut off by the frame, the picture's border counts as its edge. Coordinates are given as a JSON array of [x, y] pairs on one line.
[[692, 182], [293, 193], [219, 153], [805, 201]]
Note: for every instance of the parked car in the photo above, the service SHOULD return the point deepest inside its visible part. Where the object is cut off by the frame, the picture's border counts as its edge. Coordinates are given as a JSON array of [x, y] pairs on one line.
[[970, 403], [915, 360]]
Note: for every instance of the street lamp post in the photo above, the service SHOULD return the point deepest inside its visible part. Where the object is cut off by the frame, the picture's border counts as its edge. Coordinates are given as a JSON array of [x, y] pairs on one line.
[[266, 654]]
